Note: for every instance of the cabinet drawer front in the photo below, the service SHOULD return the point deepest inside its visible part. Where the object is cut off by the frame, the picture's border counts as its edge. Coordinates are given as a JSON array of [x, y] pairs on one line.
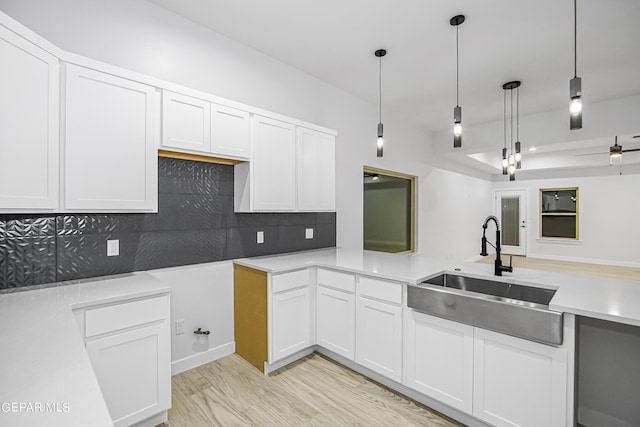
[[295, 279], [120, 316], [334, 279], [381, 289]]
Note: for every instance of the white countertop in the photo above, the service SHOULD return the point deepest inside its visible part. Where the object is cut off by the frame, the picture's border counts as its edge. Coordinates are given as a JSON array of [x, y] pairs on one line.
[[43, 360], [602, 298]]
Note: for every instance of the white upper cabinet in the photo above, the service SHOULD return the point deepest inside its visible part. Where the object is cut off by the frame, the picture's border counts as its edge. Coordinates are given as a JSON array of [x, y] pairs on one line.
[[230, 132], [186, 122], [268, 181], [292, 168], [199, 126], [316, 170], [29, 117], [110, 143]]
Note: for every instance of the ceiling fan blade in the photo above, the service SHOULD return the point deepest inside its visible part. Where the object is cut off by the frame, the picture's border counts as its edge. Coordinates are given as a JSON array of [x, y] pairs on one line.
[[591, 154]]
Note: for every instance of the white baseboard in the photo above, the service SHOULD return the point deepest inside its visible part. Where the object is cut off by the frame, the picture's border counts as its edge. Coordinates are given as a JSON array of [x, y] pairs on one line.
[[154, 420], [198, 359], [589, 417], [586, 260], [270, 367]]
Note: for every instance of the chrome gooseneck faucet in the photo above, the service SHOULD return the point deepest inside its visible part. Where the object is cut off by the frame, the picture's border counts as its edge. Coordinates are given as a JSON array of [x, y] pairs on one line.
[[499, 268]]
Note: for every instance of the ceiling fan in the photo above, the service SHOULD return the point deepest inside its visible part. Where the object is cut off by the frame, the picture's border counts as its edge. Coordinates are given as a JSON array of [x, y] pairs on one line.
[[615, 151]]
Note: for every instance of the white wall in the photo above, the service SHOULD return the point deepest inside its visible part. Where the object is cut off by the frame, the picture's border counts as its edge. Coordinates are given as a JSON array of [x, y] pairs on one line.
[[202, 296], [454, 207], [609, 208]]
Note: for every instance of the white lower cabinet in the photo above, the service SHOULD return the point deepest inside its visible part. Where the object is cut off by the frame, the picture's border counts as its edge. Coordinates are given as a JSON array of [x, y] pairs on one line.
[[439, 359], [518, 382], [129, 347], [291, 322], [335, 321], [379, 337]]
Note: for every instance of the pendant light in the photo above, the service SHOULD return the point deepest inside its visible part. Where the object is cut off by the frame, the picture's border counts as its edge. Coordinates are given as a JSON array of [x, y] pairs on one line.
[[575, 84], [456, 21], [511, 159], [380, 144]]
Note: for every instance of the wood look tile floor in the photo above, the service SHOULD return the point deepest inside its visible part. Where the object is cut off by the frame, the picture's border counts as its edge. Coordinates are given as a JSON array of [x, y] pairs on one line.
[[313, 391]]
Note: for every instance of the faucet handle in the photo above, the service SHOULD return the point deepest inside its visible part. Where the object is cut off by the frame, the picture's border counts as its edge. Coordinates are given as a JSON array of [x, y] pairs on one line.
[[510, 260]]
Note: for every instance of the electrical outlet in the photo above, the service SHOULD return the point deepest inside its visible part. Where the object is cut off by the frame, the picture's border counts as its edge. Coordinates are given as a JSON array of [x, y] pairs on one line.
[[308, 233], [260, 237], [113, 247], [180, 327]]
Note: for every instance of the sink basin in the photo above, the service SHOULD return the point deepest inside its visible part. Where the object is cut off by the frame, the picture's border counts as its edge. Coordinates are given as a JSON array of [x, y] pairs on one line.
[[514, 309], [503, 290]]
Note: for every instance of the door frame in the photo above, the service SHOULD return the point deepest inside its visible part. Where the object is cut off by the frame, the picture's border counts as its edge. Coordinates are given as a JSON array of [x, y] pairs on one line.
[[524, 219]]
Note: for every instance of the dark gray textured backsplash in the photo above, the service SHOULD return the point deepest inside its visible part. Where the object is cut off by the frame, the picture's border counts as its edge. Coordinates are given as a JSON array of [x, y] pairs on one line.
[[195, 223]]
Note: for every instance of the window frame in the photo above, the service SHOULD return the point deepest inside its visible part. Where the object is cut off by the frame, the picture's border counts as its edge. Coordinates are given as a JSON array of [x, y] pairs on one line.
[[412, 221], [575, 214]]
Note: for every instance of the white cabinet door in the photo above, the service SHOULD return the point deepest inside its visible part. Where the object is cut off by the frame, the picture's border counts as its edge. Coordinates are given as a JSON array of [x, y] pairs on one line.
[[335, 321], [134, 372], [186, 122], [518, 382], [230, 132], [439, 359], [379, 337], [29, 117], [291, 322], [316, 170], [273, 165], [110, 144]]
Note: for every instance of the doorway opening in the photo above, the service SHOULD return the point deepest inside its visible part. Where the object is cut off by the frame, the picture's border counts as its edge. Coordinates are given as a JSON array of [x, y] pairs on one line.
[[389, 211]]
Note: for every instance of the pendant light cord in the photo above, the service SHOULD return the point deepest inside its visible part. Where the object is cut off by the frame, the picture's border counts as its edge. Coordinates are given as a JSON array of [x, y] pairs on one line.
[[518, 113], [457, 69], [504, 117], [511, 122], [380, 88], [575, 38]]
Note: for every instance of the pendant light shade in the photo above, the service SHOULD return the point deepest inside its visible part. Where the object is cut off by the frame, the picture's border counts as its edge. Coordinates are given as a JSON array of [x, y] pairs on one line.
[[456, 21], [575, 84], [380, 143], [512, 157]]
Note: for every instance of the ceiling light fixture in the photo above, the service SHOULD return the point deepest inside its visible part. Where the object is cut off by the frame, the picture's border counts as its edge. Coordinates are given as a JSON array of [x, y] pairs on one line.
[[456, 21], [380, 144], [615, 152], [511, 160], [575, 84]]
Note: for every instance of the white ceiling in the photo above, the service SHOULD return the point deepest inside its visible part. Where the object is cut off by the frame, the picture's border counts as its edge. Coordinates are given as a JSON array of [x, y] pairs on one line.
[[501, 40]]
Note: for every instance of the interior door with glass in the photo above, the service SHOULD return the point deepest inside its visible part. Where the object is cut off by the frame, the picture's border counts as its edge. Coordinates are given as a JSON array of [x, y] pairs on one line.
[[511, 210]]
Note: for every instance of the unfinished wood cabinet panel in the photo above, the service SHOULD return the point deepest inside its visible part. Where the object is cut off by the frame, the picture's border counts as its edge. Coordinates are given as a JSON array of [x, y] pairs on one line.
[[250, 314]]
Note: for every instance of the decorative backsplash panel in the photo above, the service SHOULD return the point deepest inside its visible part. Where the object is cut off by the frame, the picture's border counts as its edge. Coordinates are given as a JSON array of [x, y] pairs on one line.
[[195, 223]]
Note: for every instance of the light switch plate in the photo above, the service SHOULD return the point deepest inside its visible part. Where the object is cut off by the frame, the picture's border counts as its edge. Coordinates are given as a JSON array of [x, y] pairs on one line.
[[180, 327], [308, 233], [113, 247], [260, 237]]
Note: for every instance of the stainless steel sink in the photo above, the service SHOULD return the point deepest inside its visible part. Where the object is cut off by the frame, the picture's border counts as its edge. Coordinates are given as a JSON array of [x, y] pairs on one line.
[[514, 309]]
